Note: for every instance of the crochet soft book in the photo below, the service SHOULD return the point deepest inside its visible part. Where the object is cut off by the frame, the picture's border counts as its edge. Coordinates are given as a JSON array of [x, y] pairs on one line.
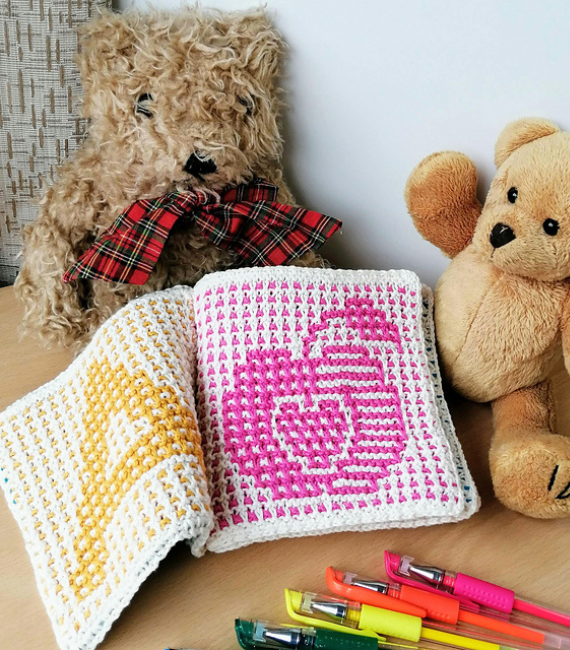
[[263, 403]]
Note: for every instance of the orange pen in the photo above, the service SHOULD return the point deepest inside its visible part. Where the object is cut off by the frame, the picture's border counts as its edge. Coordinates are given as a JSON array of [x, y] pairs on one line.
[[437, 607], [341, 587]]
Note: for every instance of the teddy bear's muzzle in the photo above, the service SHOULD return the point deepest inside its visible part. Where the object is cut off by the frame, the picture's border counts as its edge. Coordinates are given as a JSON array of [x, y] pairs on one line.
[[501, 235], [199, 165]]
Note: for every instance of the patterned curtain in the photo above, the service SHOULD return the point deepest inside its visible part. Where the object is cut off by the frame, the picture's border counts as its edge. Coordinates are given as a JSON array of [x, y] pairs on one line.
[[39, 118]]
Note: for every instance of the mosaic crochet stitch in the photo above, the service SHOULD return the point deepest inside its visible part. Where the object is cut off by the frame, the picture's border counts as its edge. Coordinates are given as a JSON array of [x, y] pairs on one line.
[[317, 406], [176, 101]]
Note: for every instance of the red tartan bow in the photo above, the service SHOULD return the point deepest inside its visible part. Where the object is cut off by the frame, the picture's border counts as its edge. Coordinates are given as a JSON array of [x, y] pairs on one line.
[[247, 220]]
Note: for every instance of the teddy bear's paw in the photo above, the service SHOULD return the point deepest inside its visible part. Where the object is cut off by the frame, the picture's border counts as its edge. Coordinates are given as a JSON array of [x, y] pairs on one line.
[[553, 485], [532, 475], [441, 195]]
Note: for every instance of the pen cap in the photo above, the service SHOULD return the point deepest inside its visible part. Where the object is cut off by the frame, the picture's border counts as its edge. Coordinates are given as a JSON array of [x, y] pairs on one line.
[[390, 623], [439, 608], [244, 633]]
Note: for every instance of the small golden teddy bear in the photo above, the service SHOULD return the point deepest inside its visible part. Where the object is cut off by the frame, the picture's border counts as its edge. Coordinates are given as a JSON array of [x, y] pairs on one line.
[[502, 306]]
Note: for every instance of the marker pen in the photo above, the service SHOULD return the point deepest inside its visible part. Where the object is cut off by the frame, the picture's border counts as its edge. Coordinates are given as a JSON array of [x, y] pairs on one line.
[[468, 589], [260, 635], [318, 609]]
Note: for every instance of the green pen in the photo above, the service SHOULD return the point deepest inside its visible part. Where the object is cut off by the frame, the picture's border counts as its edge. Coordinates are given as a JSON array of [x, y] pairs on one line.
[[260, 635]]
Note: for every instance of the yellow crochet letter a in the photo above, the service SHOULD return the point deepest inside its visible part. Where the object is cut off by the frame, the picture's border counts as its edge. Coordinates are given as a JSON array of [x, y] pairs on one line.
[[130, 426]]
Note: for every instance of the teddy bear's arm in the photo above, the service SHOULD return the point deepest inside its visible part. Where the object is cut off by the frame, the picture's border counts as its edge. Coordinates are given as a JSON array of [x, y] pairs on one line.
[[441, 195], [55, 311], [565, 329]]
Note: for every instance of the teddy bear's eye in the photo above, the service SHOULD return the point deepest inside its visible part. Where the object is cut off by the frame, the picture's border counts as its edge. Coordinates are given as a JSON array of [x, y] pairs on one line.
[[550, 227], [142, 103], [512, 194], [247, 103]]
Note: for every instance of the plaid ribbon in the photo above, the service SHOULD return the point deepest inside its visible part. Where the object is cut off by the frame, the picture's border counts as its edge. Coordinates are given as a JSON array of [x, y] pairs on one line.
[[246, 220]]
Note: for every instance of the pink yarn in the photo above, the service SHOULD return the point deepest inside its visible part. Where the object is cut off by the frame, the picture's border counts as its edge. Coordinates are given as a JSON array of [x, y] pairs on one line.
[[299, 426]]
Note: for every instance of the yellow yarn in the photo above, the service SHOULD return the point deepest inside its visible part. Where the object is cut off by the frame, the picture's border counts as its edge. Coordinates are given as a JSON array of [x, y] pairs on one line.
[[114, 395]]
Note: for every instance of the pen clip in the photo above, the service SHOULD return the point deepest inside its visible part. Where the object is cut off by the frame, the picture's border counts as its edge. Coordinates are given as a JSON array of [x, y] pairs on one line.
[[367, 596], [392, 564], [292, 602]]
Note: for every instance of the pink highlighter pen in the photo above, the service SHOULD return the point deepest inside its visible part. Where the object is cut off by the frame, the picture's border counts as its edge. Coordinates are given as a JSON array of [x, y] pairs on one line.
[[467, 589]]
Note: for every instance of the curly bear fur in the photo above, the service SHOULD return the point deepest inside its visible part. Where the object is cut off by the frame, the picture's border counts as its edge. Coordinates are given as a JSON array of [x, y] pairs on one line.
[[503, 305], [209, 80]]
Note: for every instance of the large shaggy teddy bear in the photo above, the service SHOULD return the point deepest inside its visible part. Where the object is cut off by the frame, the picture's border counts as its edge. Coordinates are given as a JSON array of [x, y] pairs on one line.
[[176, 101], [502, 308]]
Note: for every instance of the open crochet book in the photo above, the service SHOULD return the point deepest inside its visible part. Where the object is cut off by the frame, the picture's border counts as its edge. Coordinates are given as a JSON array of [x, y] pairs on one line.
[[263, 403]]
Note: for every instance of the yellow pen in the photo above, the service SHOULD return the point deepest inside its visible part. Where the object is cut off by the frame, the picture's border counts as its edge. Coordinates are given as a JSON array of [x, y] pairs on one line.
[[317, 609]]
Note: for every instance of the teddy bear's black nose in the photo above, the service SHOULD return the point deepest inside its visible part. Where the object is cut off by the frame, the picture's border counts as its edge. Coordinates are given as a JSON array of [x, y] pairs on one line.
[[501, 235], [198, 165]]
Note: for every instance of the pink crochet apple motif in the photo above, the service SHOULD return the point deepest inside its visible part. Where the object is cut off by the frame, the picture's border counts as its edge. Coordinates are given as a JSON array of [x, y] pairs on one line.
[[303, 426]]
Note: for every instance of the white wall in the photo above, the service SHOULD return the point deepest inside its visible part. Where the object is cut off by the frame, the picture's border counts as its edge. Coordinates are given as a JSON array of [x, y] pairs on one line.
[[376, 85]]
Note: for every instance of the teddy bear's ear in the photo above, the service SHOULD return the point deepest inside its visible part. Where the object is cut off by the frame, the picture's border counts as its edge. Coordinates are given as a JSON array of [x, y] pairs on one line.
[[105, 52], [523, 131], [256, 42]]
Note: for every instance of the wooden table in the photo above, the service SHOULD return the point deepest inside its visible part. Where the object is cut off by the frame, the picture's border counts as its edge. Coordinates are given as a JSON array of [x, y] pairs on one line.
[[192, 602]]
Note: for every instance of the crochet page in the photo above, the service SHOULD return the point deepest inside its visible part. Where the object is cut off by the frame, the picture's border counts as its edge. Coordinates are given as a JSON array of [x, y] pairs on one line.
[[103, 469], [318, 406]]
